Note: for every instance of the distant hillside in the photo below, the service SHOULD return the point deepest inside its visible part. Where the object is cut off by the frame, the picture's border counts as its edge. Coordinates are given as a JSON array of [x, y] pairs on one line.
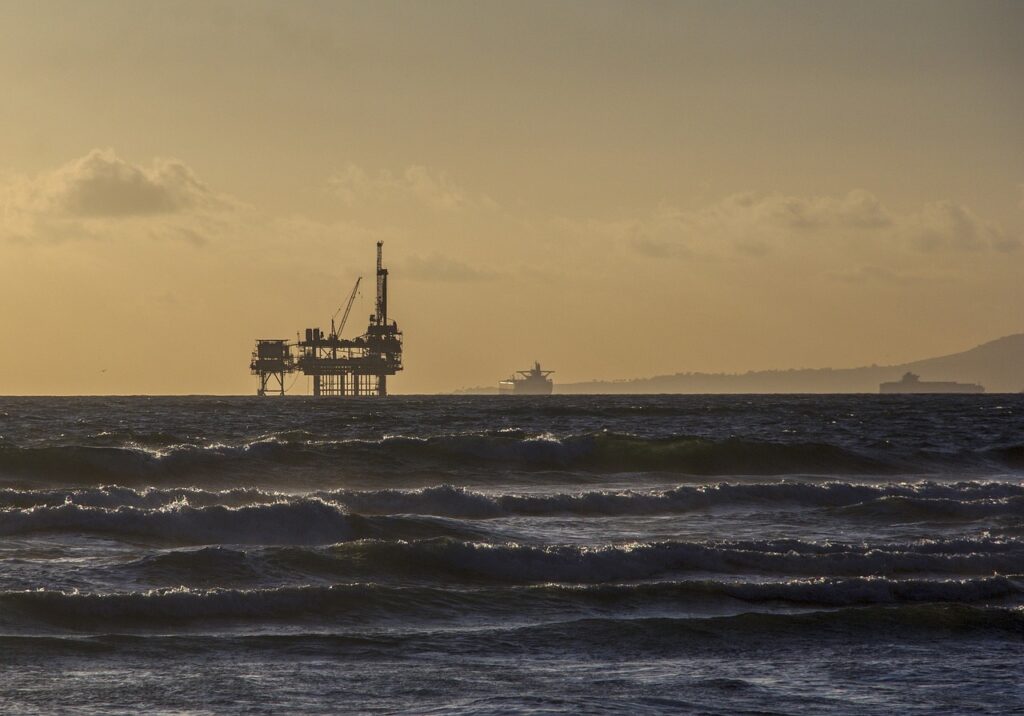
[[997, 365]]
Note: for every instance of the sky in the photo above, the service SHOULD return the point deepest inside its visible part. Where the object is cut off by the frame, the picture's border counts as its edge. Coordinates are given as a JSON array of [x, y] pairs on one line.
[[616, 189]]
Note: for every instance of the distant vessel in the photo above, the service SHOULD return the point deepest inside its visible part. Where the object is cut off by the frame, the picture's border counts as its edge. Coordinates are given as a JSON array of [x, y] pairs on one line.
[[528, 382], [912, 383]]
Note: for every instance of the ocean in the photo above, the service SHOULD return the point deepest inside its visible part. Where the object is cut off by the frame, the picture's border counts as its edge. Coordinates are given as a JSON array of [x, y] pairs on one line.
[[492, 555]]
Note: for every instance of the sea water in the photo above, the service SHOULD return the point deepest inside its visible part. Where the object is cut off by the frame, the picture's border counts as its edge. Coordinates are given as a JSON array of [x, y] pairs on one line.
[[587, 554]]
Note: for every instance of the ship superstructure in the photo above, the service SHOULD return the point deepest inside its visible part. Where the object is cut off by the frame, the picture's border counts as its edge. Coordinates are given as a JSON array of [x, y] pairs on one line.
[[528, 382], [338, 366]]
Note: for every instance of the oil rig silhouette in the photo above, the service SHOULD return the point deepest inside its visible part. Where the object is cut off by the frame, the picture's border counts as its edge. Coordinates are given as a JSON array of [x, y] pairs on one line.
[[339, 367]]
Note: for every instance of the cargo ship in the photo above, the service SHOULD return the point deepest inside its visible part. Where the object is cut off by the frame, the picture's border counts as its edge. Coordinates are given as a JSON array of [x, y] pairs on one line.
[[527, 382], [912, 383]]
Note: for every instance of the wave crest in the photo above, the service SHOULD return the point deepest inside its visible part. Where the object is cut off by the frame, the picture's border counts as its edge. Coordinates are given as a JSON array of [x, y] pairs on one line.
[[304, 521], [890, 500], [597, 451], [466, 562], [362, 600]]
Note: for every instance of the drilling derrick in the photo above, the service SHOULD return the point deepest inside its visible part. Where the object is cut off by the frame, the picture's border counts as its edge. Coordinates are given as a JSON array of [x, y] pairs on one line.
[[338, 366], [384, 338]]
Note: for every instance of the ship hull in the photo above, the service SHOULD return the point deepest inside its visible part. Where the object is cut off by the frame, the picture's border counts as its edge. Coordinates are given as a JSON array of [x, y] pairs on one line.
[[928, 388], [524, 387]]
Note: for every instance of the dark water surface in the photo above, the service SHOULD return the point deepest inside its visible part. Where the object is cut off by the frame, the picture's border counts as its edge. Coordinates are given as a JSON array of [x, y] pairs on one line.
[[661, 554]]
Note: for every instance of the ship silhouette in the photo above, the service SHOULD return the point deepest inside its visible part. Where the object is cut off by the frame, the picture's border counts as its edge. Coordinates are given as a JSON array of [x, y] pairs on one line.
[[912, 383], [527, 382]]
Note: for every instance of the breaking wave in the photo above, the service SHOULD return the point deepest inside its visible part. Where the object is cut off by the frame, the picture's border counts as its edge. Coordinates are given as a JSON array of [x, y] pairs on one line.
[[163, 606], [764, 630], [304, 521], [563, 563], [111, 496], [759, 633], [908, 499], [472, 562], [597, 451], [982, 498], [908, 508]]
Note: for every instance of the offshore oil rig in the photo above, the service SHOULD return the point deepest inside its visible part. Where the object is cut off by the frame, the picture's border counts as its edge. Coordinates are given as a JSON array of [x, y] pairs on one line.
[[341, 367]]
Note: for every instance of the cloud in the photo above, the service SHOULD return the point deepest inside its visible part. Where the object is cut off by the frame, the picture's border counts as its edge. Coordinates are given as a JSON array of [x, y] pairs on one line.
[[753, 219], [875, 274], [659, 248], [742, 225], [945, 225], [100, 184], [101, 194], [436, 267], [865, 274], [662, 234], [755, 225], [415, 185], [859, 209]]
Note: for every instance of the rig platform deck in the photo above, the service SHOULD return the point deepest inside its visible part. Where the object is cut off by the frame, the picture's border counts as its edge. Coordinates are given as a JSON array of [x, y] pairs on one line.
[[338, 366]]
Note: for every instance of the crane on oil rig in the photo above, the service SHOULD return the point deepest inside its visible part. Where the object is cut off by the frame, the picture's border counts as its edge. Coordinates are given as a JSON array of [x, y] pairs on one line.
[[336, 332]]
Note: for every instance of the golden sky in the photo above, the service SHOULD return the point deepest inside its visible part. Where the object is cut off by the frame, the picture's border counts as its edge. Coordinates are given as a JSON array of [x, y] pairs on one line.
[[616, 189]]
